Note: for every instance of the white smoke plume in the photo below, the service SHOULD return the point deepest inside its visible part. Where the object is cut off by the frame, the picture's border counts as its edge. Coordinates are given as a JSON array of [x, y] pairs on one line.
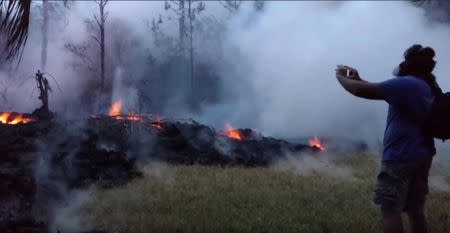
[[278, 63], [313, 164], [439, 183], [290, 52]]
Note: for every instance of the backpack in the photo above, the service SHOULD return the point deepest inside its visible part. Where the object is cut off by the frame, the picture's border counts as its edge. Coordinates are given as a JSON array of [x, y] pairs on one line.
[[437, 123]]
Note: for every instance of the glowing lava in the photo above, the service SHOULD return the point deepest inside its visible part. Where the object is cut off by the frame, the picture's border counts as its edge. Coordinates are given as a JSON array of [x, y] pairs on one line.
[[317, 143], [231, 132], [9, 118], [115, 108], [158, 123]]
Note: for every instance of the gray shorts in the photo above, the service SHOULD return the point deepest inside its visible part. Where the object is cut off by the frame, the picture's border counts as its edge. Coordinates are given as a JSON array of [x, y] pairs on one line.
[[402, 186]]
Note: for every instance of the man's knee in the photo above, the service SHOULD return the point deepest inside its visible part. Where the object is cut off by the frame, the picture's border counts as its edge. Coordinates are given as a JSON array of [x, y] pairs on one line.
[[393, 223], [416, 217], [418, 222]]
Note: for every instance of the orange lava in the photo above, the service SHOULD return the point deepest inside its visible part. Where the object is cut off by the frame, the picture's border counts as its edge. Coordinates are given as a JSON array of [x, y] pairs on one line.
[[317, 143], [231, 132], [115, 108], [9, 118], [158, 122]]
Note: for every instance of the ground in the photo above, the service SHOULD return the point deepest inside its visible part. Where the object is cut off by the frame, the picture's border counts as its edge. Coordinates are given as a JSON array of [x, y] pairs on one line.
[[236, 199]]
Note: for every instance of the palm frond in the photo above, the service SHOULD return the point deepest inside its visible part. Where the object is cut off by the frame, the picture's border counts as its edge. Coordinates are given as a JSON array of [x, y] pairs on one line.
[[14, 22]]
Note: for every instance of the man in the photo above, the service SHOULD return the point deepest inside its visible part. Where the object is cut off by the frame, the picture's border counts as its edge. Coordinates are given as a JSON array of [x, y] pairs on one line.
[[402, 184]]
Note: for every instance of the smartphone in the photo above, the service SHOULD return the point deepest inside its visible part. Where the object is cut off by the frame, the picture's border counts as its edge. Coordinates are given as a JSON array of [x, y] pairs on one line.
[[349, 73]]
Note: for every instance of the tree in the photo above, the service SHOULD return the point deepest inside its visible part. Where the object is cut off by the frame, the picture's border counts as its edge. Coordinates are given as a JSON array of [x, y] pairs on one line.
[[192, 13], [101, 26], [45, 15], [14, 21], [49, 10], [231, 5], [96, 28]]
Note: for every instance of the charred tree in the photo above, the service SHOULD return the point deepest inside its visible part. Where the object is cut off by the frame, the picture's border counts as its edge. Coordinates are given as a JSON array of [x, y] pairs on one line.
[[43, 113]]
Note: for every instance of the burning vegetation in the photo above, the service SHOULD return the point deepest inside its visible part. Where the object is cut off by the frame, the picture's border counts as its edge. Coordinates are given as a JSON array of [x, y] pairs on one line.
[[231, 132], [10, 118], [130, 138], [317, 143]]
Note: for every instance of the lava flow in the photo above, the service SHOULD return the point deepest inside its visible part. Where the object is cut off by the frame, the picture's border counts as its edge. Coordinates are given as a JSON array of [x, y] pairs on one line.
[[9, 118], [115, 111], [158, 123], [231, 132], [317, 143]]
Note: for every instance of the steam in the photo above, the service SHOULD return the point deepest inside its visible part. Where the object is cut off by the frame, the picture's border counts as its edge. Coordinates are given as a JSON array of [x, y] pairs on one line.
[[309, 165], [439, 183], [67, 215], [276, 65], [291, 50]]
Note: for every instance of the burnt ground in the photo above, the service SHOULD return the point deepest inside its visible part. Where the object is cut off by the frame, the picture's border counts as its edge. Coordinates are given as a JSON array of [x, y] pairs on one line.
[[41, 162]]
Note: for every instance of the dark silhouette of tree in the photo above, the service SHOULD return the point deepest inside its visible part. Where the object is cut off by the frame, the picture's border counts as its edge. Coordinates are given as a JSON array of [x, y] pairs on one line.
[[186, 29], [101, 26], [45, 15], [231, 5], [14, 22], [436, 10], [49, 10]]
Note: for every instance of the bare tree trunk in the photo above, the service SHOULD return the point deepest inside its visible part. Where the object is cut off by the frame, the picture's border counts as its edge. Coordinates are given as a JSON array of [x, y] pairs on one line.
[[182, 26], [102, 42], [44, 34], [191, 47]]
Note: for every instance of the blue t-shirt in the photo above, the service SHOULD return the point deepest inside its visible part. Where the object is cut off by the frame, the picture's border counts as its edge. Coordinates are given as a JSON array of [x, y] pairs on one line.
[[409, 99]]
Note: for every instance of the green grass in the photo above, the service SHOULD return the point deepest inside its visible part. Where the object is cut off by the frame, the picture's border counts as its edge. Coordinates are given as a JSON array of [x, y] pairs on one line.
[[235, 199]]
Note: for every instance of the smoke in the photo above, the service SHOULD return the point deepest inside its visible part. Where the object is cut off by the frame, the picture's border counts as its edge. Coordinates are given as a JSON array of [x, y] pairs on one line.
[[276, 65], [290, 51], [439, 183], [310, 165], [67, 215]]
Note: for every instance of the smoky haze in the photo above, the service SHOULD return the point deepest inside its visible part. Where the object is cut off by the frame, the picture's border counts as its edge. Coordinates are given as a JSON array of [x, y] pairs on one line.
[[275, 66], [292, 49]]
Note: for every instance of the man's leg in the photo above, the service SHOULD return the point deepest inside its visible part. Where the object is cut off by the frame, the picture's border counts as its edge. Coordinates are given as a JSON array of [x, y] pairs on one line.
[[390, 194], [418, 222], [417, 197], [392, 223]]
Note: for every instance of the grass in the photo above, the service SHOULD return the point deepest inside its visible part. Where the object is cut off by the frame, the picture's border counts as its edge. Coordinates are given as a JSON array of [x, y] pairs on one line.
[[235, 199]]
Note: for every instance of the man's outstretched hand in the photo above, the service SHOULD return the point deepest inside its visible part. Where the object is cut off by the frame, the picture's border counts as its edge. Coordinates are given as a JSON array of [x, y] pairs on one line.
[[353, 83], [341, 71]]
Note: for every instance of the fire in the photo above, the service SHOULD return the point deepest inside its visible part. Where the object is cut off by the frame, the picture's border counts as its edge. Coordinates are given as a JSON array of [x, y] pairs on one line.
[[115, 112], [158, 122], [232, 133], [9, 118], [115, 108], [317, 143]]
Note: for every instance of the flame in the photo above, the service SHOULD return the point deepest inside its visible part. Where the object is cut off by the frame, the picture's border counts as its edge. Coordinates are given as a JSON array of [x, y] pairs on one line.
[[158, 122], [231, 132], [9, 118], [115, 108], [317, 143]]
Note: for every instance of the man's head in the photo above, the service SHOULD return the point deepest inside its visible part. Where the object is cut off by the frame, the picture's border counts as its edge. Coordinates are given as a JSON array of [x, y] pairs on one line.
[[418, 61]]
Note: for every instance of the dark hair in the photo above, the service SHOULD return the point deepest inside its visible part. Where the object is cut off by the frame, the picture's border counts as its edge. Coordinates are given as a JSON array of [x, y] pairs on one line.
[[419, 62]]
